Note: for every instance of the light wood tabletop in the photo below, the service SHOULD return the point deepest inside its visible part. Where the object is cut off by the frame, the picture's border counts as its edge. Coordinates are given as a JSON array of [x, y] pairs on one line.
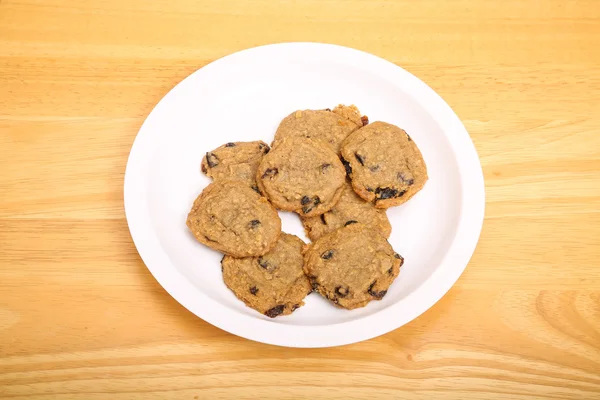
[[82, 318]]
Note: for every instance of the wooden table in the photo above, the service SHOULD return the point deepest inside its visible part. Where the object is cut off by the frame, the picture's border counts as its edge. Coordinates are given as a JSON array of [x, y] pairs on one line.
[[82, 318]]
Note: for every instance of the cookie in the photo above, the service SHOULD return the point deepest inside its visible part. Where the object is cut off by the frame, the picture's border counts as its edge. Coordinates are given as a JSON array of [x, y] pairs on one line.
[[235, 161], [230, 217], [301, 175], [352, 266], [352, 113], [332, 127], [384, 163], [273, 284], [349, 209]]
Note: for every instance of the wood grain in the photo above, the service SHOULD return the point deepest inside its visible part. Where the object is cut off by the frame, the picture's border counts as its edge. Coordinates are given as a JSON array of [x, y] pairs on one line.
[[82, 318]]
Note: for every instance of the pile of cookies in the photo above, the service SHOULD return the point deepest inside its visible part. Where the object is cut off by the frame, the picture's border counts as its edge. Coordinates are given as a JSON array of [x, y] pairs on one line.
[[338, 173]]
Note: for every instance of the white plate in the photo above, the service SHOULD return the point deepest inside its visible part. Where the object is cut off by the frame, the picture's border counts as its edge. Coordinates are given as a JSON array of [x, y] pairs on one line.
[[243, 97]]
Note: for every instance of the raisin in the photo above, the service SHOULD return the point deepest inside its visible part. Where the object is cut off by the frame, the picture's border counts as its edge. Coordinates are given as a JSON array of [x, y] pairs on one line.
[[230, 144], [399, 257], [404, 179], [254, 223], [391, 271], [369, 189], [254, 290], [328, 109], [378, 295], [323, 219], [211, 160], [360, 158], [263, 263], [275, 311], [385, 193], [327, 255], [342, 291], [365, 120], [270, 172], [388, 193], [306, 202], [347, 166], [350, 222], [307, 209], [255, 188], [265, 149]]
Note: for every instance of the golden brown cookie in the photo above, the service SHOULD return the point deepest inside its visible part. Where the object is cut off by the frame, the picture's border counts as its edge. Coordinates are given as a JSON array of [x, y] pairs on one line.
[[384, 163], [332, 127], [301, 175], [235, 161], [273, 284], [352, 113], [349, 209], [352, 266], [231, 217]]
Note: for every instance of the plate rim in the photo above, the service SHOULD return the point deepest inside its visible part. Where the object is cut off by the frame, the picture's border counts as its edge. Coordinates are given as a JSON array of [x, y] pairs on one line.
[[454, 262]]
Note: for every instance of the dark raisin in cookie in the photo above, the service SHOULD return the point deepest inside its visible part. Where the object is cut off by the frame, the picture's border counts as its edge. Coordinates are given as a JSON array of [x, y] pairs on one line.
[[231, 217], [385, 165], [235, 161], [273, 284], [301, 175], [350, 209], [352, 266], [331, 127]]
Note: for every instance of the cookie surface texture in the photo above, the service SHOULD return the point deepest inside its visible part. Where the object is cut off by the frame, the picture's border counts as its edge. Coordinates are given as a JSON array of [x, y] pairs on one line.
[[328, 126], [273, 284], [350, 209], [301, 175], [352, 266], [235, 161], [384, 163], [230, 217]]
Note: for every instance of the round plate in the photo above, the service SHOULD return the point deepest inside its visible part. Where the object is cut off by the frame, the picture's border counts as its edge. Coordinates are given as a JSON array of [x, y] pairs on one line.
[[243, 97]]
